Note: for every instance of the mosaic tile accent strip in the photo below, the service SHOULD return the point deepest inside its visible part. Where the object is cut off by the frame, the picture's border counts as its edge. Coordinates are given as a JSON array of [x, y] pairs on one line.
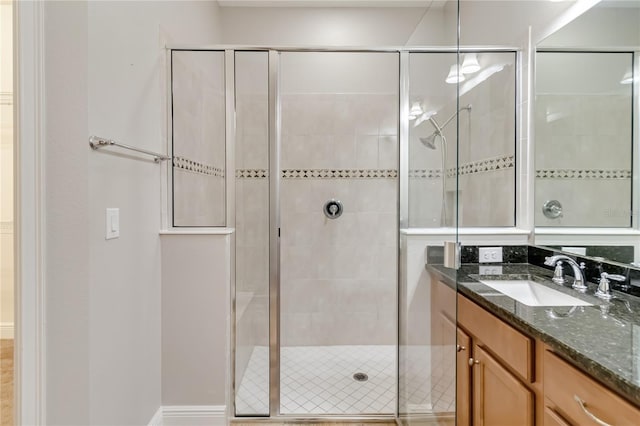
[[582, 174], [252, 173], [480, 166], [425, 174], [488, 165], [196, 167], [339, 174]]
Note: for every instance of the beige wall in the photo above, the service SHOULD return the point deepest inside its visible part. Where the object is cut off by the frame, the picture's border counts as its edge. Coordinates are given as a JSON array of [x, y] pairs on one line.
[[105, 75], [67, 214], [195, 318]]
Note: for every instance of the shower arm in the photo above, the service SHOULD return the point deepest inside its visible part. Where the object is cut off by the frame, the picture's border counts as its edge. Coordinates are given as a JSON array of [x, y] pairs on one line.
[[468, 108]]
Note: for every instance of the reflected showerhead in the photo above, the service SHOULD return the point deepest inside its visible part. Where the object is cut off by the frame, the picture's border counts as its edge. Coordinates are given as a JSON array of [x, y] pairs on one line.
[[430, 141]]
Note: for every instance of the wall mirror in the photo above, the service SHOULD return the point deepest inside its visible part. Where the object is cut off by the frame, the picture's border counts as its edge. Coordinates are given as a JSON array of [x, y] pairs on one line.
[[585, 122]]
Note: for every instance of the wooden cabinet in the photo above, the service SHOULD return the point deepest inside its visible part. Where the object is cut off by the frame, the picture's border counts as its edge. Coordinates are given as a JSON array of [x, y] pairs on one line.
[[498, 370], [506, 378], [463, 379], [552, 418], [576, 399], [499, 398]]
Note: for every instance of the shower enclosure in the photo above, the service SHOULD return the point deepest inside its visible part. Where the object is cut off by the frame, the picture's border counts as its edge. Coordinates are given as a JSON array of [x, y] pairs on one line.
[[324, 162], [333, 159]]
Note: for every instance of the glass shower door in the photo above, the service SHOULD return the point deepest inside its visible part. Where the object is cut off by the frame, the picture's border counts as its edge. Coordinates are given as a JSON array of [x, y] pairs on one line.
[[338, 232], [427, 303], [251, 359]]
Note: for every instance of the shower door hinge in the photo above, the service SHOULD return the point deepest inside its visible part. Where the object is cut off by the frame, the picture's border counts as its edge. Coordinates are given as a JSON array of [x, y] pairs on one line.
[[452, 254]]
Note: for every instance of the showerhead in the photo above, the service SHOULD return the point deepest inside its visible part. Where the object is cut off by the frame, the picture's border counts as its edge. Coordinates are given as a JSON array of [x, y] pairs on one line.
[[430, 141]]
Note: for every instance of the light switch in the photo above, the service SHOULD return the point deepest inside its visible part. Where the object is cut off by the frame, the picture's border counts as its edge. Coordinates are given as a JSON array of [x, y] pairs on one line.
[[113, 224]]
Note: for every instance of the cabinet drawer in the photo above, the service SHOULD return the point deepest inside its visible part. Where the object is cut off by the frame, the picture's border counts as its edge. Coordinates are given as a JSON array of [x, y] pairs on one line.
[[564, 385], [551, 418], [512, 347]]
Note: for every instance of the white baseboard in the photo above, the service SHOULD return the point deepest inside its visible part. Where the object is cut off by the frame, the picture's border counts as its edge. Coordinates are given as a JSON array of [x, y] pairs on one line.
[[6, 330], [193, 415]]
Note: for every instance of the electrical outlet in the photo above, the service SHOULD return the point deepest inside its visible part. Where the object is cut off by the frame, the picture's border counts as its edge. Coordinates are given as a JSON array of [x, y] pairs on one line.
[[490, 254], [490, 270]]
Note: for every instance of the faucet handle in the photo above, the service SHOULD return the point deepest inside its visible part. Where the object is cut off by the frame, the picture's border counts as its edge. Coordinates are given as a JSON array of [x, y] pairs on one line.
[[615, 277], [604, 290]]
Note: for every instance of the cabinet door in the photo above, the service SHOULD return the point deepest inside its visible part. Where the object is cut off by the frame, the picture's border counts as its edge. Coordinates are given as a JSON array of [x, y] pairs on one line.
[[499, 399], [463, 379]]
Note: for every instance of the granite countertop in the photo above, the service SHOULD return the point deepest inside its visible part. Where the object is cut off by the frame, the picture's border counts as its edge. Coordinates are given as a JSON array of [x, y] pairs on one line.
[[603, 339]]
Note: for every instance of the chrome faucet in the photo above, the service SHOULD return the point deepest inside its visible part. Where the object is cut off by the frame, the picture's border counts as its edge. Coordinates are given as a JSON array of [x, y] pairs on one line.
[[579, 282]]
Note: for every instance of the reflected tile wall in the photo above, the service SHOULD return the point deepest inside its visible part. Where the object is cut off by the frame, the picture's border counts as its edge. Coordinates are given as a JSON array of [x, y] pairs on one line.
[[583, 146], [338, 276], [486, 136]]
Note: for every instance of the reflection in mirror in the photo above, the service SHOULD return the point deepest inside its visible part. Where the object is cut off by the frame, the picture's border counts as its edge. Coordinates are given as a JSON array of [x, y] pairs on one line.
[[586, 137], [484, 155], [583, 139]]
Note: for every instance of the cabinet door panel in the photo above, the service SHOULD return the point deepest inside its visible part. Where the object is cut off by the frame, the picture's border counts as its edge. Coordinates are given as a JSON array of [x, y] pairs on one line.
[[463, 379], [499, 399]]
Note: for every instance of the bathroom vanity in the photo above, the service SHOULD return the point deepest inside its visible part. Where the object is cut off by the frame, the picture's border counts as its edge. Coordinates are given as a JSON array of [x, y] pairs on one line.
[[537, 365]]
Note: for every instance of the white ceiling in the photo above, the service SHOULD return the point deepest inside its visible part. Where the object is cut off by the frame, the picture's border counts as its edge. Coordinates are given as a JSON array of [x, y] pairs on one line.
[[330, 3]]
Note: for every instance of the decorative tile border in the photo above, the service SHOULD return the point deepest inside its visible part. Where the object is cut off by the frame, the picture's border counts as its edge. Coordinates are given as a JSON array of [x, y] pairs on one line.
[[488, 165], [474, 167], [582, 174], [196, 167], [425, 174], [320, 174], [339, 174], [252, 173]]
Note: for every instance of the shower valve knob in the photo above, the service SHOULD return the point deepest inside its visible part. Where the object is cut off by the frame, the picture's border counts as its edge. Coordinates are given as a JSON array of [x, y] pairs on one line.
[[333, 209]]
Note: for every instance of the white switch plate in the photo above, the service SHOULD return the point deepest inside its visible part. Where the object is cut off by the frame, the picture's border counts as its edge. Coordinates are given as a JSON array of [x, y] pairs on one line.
[[490, 254], [112, 224]]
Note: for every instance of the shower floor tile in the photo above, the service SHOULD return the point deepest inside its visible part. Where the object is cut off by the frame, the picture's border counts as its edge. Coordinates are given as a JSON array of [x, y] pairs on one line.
[[319, 380]]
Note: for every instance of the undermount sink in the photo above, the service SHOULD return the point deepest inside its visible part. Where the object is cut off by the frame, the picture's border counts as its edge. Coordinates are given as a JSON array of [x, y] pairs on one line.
[[532, 293]]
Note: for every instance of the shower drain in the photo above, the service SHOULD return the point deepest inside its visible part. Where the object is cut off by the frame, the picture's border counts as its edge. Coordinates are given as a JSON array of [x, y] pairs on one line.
[[360, 377]]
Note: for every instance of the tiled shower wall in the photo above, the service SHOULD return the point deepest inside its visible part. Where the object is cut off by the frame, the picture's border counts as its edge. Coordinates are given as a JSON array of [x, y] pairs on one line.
[[198, 138], [339, 275], [583, 159]]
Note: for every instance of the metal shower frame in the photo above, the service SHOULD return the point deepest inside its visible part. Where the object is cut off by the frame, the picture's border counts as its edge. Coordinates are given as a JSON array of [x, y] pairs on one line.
[[274, 102]]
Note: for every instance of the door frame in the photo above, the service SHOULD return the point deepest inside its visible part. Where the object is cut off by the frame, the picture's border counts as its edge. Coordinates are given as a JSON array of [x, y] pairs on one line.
[[29, 207]]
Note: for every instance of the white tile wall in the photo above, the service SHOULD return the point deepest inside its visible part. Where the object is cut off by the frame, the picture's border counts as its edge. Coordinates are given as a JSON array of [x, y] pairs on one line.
[[199, 135], [337, 273]]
